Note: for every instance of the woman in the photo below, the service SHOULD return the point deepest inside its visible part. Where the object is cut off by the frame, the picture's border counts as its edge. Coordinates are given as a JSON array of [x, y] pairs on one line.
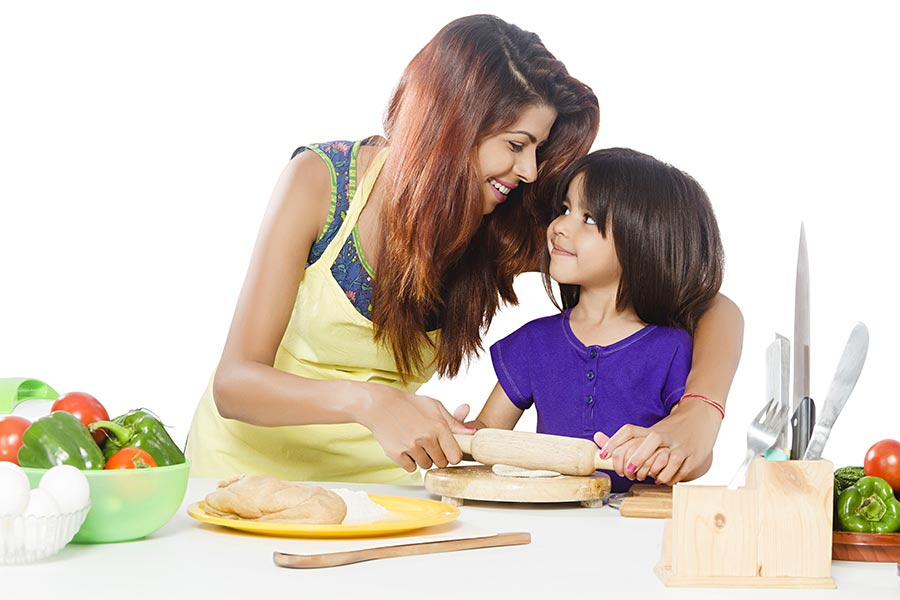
[[319, 370]]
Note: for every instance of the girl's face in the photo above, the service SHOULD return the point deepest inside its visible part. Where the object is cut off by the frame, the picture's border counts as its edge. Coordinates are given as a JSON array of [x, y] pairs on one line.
[[508, 158], [579, 254]]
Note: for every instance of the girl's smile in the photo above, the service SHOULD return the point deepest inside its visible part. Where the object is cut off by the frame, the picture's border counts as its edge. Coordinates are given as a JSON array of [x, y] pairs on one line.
[[557, 250]]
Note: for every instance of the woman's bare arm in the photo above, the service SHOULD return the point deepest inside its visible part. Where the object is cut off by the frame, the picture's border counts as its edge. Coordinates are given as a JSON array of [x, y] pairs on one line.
[[679, 447], [412, 429]]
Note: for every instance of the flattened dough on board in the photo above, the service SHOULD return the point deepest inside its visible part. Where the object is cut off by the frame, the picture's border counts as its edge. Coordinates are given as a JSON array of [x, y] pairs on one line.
[[508, 471]]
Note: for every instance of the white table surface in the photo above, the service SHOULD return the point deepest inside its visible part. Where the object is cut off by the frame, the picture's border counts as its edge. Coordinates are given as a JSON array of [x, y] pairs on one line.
[[575, 552]]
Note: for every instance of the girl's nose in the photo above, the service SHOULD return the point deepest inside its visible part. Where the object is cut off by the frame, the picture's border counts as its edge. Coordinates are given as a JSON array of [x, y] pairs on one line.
[[558, 227]]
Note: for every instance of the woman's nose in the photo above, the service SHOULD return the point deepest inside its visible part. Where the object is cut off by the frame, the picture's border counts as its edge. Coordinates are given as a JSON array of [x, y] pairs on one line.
[[526, 166]]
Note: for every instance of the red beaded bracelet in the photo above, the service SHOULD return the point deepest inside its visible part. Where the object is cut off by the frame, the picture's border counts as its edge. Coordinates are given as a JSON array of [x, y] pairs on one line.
[[713, 403]]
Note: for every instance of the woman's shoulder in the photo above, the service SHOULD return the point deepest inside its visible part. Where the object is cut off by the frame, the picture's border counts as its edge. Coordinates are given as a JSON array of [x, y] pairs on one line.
[[342, 153]]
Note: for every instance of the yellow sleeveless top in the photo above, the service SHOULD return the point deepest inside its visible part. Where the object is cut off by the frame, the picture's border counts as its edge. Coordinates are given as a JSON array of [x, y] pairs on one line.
[[326, 338]]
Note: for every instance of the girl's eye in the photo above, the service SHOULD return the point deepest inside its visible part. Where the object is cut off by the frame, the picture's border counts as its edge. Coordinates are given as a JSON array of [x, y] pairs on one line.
[[589, 219], [516, 146], [565, 210]]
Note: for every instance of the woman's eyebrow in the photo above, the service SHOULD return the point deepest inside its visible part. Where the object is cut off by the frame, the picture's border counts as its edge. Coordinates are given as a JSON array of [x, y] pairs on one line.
[[526, 133]]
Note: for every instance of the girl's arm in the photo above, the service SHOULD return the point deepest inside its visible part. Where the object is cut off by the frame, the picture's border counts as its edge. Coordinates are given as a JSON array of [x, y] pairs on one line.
[[412, 429], [679, 447], [498, 413]]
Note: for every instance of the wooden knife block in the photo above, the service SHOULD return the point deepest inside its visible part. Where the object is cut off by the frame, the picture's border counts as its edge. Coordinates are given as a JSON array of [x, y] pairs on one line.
[[774, 532]]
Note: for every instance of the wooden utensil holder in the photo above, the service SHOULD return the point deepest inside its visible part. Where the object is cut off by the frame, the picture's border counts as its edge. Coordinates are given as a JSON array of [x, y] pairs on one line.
[[774, 532]]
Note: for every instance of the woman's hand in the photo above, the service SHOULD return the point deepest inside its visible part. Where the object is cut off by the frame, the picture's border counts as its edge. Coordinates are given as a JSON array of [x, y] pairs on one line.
[[413, 430], [678, 448]]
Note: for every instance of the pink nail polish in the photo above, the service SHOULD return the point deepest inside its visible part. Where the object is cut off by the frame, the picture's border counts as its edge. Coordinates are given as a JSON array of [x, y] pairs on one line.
[[604, 454], [630, 469]]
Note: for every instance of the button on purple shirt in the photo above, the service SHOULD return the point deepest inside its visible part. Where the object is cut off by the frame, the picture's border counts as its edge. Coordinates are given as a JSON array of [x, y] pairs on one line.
[[578, 390]]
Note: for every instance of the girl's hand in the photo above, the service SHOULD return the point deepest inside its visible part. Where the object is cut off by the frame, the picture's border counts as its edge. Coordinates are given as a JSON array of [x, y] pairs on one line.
[[413, 430], [622, 455], [678, 448]]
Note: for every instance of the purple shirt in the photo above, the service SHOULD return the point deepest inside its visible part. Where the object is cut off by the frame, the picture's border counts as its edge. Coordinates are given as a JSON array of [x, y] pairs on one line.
[[578, 390]]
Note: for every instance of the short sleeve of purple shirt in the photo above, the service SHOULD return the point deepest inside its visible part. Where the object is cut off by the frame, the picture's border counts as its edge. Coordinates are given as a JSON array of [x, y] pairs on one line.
[[511, 364]]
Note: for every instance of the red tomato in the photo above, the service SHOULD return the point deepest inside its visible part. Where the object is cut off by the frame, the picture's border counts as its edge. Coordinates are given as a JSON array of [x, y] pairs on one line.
[[883, 460], [11, 430], [85, 408], [130, 458]]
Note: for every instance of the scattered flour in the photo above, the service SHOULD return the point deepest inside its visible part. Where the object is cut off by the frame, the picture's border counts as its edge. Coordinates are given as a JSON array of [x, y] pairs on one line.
[[360, 509], [508, 471]]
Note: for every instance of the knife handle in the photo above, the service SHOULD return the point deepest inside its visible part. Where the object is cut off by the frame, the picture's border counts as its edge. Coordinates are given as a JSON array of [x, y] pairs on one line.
[[802, 422]]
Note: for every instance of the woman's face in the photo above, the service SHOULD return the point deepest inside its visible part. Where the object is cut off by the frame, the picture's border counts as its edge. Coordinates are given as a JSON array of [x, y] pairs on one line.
[[509, 157]]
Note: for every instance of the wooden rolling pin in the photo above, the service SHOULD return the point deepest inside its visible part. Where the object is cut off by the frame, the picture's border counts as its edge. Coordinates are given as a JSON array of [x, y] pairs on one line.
[[569, 456]]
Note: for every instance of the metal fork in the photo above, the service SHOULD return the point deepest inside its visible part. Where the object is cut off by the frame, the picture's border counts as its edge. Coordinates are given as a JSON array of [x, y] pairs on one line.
[[762, 435]]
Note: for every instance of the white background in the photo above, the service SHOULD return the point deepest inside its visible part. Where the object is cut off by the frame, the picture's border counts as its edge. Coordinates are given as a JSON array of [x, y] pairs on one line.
[[139, 145]]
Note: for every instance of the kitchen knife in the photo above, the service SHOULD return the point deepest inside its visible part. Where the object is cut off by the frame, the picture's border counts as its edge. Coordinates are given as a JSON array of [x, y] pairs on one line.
[[802, 422], [804, 409], [777, 382], [849, 368], [569, 456]]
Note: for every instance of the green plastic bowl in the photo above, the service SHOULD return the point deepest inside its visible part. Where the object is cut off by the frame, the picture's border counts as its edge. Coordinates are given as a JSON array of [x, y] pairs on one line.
[[128, 504]]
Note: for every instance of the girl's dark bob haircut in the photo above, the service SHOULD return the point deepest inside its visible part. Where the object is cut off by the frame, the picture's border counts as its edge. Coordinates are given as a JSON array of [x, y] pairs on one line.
[[665, 233]]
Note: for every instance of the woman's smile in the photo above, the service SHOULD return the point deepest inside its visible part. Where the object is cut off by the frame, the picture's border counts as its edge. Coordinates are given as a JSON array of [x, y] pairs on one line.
[[501, 188]]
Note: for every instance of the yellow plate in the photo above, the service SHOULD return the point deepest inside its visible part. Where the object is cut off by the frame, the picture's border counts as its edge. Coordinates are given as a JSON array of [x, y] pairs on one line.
[[406, 514]]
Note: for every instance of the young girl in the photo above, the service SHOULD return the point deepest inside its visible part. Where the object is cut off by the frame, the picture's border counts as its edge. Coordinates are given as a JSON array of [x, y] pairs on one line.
[[636, 251]]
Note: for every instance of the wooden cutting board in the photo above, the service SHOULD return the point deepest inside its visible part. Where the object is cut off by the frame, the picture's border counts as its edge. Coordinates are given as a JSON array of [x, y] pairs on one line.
[[478, 482]]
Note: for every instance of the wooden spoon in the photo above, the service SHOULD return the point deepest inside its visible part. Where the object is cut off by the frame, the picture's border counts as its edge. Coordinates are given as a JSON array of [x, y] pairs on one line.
[[333, 559]]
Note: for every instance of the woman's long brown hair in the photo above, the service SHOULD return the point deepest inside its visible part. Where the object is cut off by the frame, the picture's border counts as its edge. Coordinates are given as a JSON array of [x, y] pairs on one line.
[[440, 258]]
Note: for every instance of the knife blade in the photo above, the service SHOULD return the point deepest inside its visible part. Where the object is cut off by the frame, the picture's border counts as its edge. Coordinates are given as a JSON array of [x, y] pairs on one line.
[[804, 409], [845, 378], [778, 357]]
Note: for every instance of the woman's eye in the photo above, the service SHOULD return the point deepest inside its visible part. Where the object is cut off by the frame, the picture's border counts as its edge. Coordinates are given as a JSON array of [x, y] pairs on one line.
[[516, 146], [589, 219], [565, 210]]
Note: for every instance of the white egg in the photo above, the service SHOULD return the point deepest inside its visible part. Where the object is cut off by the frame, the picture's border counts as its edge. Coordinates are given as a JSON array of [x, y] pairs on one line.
[[41, 504], [68, 486], [33, 409], [14, 489]]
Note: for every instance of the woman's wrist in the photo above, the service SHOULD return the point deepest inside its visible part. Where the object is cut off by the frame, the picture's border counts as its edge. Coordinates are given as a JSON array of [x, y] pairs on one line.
[[360, 402], [719, 408], [692, 407]]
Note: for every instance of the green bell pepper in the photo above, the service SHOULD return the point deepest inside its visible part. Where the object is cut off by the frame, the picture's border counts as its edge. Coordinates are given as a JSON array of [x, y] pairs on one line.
[[59, 439], [869, 506], [140, 429]]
